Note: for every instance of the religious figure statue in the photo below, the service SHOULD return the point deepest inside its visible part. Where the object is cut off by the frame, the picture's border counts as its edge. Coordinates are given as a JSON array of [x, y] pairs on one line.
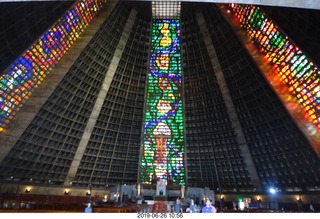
[[139, 188], [182, 191]]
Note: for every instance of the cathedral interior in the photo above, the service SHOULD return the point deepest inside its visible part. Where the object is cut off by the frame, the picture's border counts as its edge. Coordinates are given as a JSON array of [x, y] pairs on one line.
[[98, 97]]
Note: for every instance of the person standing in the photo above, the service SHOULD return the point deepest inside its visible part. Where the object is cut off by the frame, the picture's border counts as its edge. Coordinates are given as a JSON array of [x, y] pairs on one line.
[[209, 208], [300, 205], [177, 206], [168, 209], [88, 209], [193, 208], [311, 207]]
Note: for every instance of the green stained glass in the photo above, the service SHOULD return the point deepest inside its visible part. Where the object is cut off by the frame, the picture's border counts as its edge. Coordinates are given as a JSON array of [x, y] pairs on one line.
[[164, 126]]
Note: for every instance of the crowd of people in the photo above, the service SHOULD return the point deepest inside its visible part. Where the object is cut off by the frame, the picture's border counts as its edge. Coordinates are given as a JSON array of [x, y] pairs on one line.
[[178, 208], [193, 208], [207, 206]]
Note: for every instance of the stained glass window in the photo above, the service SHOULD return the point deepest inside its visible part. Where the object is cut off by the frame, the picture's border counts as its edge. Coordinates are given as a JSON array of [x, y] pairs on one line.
[[163, 145], [30, 69], [294, 68]]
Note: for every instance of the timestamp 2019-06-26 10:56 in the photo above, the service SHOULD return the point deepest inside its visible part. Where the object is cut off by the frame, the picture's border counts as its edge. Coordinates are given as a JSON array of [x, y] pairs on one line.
[[159, 215]]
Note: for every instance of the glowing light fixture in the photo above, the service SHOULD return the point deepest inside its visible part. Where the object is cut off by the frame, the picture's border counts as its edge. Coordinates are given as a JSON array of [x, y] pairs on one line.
[[28, 190]]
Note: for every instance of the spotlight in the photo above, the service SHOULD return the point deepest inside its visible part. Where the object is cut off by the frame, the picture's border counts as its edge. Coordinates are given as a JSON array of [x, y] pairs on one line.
[[272, 190]]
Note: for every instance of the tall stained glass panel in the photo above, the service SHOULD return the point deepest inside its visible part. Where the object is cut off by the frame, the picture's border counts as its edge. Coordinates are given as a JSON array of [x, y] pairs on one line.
[[163, 142], [27, 72], [294, 68]]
